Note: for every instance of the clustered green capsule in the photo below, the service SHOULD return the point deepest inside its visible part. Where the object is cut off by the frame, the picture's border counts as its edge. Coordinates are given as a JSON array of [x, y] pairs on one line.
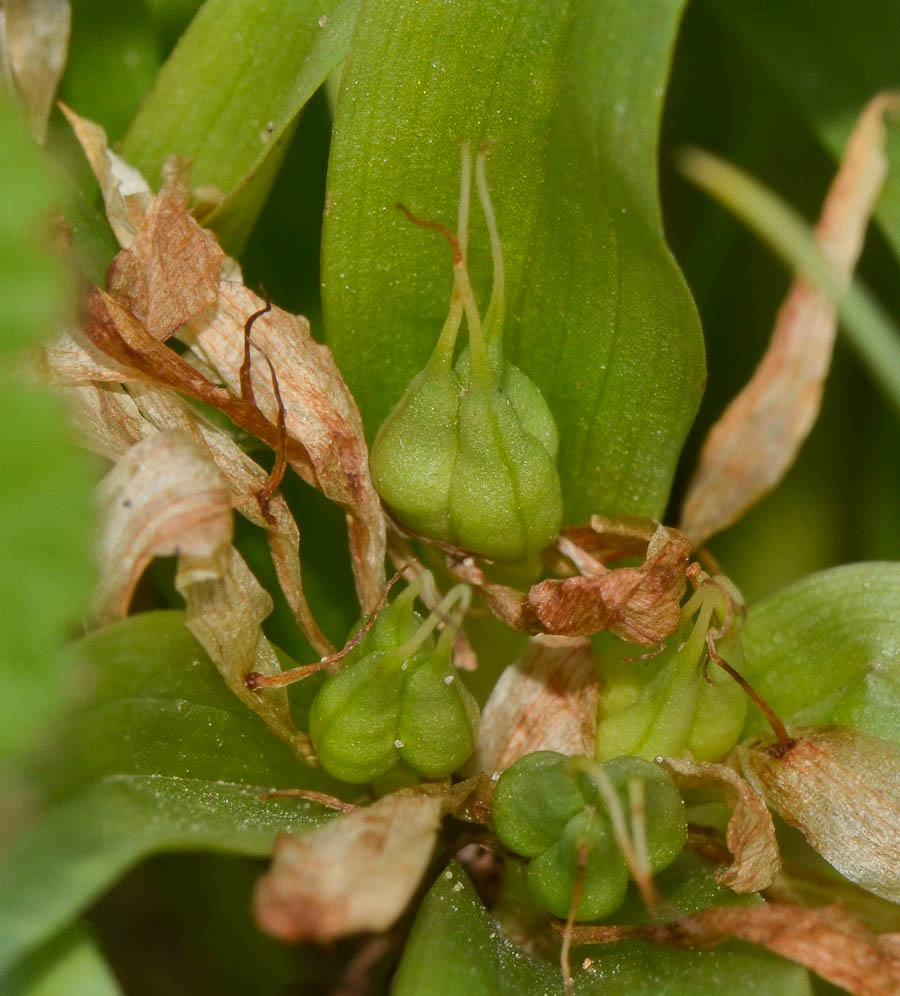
[[397, 699], [671, 703], [556, 811], [468, 454]]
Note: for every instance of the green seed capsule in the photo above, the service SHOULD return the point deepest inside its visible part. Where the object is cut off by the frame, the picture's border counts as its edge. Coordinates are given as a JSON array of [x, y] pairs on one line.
[[396, 699], [554, 810], [414, 455], [468, 454], [670, 704], [587, 839], [438, 721], [353, 719], [534, 800]]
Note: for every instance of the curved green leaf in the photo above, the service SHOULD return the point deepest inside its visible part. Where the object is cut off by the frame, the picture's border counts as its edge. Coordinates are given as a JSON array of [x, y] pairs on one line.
[[161, 757], [229, 94], [826, 650], [829, 57], [456, 948], [598, 314], [69, 965]]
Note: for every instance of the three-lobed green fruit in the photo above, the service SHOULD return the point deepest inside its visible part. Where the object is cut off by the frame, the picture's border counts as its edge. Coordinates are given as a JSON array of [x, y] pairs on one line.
[[550, 808], [468, 454], [671, 703], [397, 698]]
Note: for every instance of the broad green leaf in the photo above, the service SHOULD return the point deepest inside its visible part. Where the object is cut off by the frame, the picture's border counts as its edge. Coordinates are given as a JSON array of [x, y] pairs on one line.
[[32, 280], [829, 57], [69, 965], [114, 56], [230, 93], [456, 948], [45, 517], [826, 650], [45, 483], [598, 314], [160, 757]]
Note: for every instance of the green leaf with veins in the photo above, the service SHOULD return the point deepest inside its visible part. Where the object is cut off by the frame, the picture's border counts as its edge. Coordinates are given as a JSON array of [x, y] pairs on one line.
[[826, 649], [69, 965], [598, 315], [159, 756], [229, 96]]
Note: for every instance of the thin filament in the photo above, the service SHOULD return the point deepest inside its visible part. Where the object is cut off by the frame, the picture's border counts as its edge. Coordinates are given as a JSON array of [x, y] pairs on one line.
[[494, 320], [438, 615]]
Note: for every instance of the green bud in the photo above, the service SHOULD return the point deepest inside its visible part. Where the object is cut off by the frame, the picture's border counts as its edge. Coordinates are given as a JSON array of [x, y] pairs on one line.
[[467, 456], [553, 810], [666, 823], [505, 500], [671, 703], [524, 395]]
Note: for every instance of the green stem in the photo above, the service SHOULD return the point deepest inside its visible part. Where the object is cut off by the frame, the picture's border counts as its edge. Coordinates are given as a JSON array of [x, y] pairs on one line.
[[456, 594], [493, 321]]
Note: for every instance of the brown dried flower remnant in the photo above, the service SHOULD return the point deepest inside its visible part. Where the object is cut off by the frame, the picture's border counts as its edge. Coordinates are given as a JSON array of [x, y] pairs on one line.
[[750, 835], [827, 940], [840, 788], [638, 604], [750, 448], [545, 701], [356, 873]]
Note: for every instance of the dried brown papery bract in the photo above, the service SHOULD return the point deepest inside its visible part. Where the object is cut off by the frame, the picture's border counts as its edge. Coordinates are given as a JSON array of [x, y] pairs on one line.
[[34, 45], [840, 788], [827, 940], [170, 273], [750, 835], [356, 873], [225, 612], [751, 447], [164, 497], [638, 604], [545, 701]]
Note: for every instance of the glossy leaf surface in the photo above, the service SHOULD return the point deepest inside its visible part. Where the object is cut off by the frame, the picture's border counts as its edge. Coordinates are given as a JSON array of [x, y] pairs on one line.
[[825, 650], [597, 312], [457, 949]]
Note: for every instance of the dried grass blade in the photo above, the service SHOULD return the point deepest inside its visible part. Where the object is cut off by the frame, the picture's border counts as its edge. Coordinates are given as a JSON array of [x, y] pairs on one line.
[[751, 447]]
